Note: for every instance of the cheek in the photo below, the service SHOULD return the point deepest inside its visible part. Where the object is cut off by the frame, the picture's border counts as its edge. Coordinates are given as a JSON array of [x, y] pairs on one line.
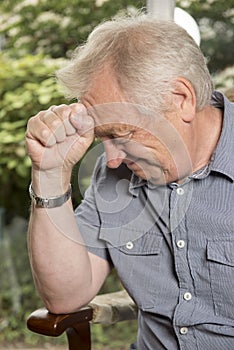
[[136, 150]]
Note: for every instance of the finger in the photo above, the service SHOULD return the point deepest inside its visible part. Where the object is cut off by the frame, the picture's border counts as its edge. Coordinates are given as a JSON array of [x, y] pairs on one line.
[[63, 112], [55, 124], [39, 131], [66, 113]]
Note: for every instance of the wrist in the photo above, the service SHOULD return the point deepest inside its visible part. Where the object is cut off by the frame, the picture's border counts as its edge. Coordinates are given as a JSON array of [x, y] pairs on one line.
[[50, 183], [49, 202]]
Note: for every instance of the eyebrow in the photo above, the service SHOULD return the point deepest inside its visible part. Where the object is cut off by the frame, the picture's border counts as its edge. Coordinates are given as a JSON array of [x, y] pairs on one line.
[[104, 130], [102, 133], [111, 131]]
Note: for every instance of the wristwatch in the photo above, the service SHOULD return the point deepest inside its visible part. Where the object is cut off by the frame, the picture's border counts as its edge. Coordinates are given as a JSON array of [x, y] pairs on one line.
[[51, 202]]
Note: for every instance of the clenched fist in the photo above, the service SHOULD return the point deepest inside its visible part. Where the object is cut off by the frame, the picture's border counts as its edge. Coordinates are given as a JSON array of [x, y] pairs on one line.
[[56, 139], [59, 136]]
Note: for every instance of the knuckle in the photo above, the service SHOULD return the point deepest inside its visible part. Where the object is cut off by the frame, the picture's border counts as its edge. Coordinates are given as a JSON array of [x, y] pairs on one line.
[[78, 107], [62, 111], [60, 108], [56, 122]]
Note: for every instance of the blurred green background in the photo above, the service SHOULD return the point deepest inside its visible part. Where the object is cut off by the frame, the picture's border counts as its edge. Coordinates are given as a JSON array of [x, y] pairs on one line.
[[36, 38]]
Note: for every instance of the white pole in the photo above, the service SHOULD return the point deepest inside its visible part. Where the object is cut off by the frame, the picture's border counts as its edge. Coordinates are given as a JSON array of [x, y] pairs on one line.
[[161, 9]]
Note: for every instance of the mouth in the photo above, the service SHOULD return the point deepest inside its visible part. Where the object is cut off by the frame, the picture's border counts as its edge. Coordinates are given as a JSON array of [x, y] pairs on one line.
[[137, 163]]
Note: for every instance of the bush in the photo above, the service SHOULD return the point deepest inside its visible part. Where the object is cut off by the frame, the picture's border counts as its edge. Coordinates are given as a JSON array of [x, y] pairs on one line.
[[224, 80], [27, 85], [17, 293]]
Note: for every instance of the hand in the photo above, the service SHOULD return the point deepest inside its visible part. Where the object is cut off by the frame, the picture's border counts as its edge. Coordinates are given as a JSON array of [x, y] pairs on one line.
[[58, 137]]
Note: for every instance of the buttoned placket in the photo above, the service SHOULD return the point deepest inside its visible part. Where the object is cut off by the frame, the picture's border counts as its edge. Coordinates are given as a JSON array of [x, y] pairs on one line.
[[179, 202]]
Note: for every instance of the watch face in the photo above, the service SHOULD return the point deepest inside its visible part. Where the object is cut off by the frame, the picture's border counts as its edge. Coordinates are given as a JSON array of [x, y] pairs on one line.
[[42, 202]]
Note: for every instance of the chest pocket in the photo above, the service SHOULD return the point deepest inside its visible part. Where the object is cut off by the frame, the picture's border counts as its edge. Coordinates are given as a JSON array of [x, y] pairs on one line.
[[137, 260], [220, 254]]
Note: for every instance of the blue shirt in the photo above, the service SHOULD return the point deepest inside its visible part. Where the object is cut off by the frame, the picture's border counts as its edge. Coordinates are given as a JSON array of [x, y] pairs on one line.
[[172, 245]]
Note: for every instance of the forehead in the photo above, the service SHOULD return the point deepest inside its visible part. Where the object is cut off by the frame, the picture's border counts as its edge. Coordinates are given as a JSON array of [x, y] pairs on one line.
[[107, 103], [117, 117], [111, 110]]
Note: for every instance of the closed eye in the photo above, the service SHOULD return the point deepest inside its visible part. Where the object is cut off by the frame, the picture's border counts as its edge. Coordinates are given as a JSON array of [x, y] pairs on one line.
[[122, 138]]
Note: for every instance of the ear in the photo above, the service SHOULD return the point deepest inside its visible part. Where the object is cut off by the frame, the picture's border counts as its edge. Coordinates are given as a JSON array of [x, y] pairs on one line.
[[184, 99]]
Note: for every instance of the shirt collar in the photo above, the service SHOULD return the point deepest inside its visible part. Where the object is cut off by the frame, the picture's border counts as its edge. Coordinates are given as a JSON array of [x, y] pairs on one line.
[[135, 184]]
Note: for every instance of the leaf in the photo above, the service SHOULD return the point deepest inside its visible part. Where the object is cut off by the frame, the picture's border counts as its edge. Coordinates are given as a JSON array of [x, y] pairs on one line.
[[12, 164]]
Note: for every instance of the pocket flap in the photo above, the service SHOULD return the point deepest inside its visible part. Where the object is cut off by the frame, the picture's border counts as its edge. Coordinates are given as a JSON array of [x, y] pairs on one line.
[[132, 242], [221, 251], [149, 244]]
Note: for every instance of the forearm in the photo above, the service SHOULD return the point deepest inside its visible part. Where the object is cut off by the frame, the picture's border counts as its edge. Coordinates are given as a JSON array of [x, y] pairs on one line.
[[59, 259]]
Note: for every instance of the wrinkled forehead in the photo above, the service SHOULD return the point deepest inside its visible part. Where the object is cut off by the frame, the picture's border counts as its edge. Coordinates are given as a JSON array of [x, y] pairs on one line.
[[118, 115]]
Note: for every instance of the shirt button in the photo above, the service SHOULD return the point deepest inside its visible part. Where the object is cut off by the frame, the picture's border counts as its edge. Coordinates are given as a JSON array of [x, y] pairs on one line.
[[183, 330], [187, 296], [180, 244], [129, 245], [180, 191]]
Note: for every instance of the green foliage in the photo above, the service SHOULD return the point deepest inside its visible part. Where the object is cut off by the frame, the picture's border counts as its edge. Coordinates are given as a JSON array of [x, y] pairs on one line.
[[53, 27], [224, 80], [216, 23], [18, 297], [27, 86], [33, 29], [118, 336], [17, 293]]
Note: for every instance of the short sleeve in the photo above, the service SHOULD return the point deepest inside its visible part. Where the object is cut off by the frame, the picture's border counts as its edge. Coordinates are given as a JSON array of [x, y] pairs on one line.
[[88, 221]]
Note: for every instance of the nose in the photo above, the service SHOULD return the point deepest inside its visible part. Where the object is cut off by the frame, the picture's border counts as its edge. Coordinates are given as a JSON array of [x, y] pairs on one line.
[[114, 156]]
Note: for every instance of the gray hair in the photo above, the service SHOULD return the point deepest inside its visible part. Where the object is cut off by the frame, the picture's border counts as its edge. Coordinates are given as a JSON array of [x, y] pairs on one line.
[[146, 56]]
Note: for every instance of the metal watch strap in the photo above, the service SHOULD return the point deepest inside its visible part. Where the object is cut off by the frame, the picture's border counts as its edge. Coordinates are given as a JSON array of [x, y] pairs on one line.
[[51, 202]]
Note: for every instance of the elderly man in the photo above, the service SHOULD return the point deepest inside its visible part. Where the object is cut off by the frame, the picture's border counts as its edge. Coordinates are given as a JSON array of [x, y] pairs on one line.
[[160, 205]]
